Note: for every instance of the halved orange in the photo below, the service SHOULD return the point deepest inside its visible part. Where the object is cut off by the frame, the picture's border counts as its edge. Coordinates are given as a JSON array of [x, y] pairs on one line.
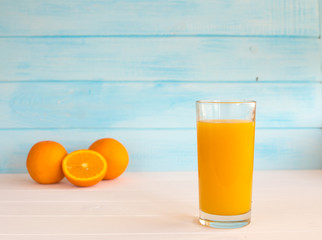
[[84, 167]]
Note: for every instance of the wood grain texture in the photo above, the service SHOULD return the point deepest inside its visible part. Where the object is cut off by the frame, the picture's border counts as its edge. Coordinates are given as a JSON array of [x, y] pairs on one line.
[[74, 71], [114, 209], [320, 18], [293, 235], [142, 17], [150, 104], [169, 58], [168, 150], [118, 225]]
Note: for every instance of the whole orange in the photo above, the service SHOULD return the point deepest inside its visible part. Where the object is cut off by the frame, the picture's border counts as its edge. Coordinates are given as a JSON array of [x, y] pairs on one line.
[[44, 162], [114, 153]]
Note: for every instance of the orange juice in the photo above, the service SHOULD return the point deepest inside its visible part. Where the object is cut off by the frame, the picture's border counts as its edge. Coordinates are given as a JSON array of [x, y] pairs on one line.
[[225, 165]]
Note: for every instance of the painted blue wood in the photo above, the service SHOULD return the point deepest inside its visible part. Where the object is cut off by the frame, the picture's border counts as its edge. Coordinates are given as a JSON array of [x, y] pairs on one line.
[[150, 104], [168, 150], [145, 17], [288, 149], [320, 15], [147, 59], [133, 69]]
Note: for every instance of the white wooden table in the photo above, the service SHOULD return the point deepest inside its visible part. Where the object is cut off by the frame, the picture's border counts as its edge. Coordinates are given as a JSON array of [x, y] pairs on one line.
[[162, 205]]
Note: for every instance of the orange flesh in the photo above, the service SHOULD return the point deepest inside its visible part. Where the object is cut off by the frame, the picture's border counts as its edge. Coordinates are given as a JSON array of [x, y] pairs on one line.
[[85, 165]]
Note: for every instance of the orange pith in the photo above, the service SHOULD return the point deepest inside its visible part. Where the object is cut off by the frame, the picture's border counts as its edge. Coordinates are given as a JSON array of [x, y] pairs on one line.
[[84, 167]]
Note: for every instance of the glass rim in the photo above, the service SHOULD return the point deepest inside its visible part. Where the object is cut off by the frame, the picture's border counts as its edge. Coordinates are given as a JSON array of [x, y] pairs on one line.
[[225, 101]]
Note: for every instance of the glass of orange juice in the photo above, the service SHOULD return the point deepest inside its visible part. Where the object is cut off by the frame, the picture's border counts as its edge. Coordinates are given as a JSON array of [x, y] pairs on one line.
[[225, 137]]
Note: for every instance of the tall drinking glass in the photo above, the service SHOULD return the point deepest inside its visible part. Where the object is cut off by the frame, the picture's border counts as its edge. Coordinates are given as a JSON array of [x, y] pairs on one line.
[[225, 136]]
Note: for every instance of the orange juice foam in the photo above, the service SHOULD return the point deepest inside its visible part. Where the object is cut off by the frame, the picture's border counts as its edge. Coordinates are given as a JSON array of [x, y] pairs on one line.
[[225, 165]]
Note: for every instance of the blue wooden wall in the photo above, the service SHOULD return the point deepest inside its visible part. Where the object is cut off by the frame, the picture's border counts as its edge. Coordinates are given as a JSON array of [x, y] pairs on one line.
[[77, 71]]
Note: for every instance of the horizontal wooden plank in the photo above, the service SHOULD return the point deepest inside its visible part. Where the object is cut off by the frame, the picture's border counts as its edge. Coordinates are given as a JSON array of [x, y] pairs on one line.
[[131, 188], [97, 208], [150, 105], [151, 224], [126, 17], [150, 207], [273, 207], [217, 234], [141, 224], [162, 186], [168, 150], [168, 58], [151, 194], [167, 183]]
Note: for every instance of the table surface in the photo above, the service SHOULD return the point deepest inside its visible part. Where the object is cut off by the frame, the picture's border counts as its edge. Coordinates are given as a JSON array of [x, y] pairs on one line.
[[156, 205]]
